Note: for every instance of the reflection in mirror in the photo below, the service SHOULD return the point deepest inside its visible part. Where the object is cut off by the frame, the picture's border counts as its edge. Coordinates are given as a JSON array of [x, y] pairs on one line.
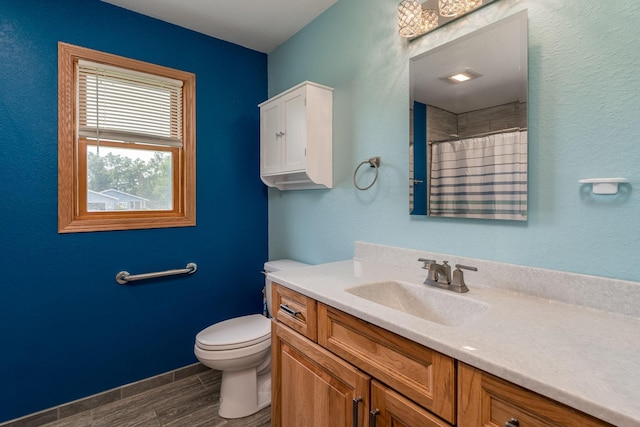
[[468, 138]]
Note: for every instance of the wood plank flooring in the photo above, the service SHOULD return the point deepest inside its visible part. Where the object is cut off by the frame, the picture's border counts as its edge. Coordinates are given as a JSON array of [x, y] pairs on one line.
[[189, 402]]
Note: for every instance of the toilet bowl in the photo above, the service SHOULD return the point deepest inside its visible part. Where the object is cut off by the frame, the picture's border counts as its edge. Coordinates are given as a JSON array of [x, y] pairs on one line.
[[241, 348]]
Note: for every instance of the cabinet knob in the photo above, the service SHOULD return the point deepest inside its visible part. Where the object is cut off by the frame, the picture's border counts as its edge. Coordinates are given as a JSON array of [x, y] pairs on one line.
[[513, 422]]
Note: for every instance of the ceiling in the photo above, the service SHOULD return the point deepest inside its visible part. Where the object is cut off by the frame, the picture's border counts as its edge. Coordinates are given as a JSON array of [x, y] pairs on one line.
[[261, 25], [498, 52]]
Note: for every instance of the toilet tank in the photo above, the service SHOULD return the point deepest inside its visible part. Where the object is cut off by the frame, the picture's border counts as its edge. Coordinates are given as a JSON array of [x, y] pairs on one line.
[[278, 265]]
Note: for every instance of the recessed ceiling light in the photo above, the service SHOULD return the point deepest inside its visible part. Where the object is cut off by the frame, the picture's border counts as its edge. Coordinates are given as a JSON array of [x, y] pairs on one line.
[[462, 76]]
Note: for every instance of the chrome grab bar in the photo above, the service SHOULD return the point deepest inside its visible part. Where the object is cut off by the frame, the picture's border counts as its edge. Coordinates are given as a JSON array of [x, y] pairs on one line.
[[124, 277]]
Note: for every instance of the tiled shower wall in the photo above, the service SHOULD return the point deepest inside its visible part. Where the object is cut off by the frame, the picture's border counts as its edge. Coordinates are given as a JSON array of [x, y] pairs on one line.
[[492, 119], [442, 124]]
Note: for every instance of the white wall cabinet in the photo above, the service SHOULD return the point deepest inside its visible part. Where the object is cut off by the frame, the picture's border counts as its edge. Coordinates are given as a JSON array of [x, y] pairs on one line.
[[296, 138]]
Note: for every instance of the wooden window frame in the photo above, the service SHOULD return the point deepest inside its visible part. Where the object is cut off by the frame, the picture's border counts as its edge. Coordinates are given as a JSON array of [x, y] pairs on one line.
[[73, 216]]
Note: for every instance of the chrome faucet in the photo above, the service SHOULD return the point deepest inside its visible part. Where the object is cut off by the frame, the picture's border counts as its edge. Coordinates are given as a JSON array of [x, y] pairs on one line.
[[443, 271], [440, 275], [432, 276]]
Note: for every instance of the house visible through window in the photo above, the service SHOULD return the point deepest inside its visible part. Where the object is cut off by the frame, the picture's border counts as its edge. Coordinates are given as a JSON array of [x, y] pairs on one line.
[[126, 143], [128, 179]]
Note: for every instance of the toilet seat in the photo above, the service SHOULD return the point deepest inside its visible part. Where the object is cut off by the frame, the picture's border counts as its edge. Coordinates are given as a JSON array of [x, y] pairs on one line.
[[234, 355], [236, 333]]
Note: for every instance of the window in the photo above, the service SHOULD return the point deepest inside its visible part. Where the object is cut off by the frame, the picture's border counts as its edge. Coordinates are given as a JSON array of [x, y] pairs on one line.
[[126, 143]]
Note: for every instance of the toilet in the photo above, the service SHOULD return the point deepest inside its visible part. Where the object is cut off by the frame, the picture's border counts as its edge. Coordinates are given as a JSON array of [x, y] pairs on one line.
[[241, 349]]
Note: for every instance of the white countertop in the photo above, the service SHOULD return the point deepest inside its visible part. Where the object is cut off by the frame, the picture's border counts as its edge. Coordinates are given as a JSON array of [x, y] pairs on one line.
[[586, 358]]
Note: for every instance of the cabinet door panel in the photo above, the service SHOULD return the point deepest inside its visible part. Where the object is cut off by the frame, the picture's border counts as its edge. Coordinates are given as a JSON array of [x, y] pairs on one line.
[[425, 376], [270, 139], [312, 387], [295, 139], [398, 411]]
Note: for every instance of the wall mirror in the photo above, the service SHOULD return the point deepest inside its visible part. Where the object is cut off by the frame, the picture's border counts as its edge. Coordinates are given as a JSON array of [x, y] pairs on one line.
[[468, 127]]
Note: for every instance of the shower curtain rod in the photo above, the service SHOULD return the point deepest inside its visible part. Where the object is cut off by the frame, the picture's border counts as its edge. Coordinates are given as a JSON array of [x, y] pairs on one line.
[[495, 132]]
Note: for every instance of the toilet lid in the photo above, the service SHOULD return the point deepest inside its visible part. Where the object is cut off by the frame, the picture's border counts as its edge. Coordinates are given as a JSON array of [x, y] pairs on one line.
[[235, 333]]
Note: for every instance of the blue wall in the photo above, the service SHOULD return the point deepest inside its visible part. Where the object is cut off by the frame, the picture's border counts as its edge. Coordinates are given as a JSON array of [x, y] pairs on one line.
[[67, 329], [584, 82]]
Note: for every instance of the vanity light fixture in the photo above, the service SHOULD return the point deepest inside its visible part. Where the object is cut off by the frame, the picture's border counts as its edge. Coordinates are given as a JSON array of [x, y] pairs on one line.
[[416, 18], [409, 18], [450, 8], [429, 21], [472, 4]]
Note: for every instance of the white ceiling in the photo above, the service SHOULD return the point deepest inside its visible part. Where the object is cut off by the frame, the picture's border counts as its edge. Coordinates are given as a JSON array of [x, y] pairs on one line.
[[498, 52], [260, 25]]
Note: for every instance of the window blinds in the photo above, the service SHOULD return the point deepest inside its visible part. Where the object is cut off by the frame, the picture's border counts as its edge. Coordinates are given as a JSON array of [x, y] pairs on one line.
[[125, 105]]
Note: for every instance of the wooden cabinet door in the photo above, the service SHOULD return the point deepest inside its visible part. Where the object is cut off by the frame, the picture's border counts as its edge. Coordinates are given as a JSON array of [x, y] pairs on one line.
[[393, 410], [271, 138], [312, 387], [423, 375], [488, 401]]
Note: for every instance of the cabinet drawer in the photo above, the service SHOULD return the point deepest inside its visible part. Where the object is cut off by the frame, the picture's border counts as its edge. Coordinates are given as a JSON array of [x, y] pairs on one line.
[[423, 375], [295, 310], [487, 401]]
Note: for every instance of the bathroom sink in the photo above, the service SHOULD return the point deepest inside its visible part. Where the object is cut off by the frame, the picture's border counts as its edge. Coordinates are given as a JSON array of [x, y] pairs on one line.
[[436, 305]]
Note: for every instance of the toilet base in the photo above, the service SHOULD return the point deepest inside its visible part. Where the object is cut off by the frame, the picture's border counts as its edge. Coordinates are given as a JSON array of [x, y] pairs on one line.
[[237, 386]]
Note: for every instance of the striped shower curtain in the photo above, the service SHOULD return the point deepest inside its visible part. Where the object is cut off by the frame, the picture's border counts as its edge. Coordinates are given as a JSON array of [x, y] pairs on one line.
[[481, 177]]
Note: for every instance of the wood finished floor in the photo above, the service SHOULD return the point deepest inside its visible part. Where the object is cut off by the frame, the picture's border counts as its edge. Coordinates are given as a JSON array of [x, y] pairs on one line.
[[190, 402]]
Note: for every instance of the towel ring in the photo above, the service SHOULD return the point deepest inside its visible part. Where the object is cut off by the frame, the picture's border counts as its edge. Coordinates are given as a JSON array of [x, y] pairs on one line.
[[373, 162]]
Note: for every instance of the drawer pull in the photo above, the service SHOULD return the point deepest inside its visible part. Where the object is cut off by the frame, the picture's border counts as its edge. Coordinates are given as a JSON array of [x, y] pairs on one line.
[[372, 417], [513, 422], [356, 401], [289, 310]]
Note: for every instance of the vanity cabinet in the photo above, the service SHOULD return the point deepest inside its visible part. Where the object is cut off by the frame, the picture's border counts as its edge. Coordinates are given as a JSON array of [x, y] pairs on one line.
[[352, 373], [296, 138], [331, 369], [487, 401]]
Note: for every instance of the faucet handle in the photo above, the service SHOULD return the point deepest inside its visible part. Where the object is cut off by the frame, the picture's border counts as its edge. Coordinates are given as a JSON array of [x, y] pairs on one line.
[[458, 284], [426, 262]]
